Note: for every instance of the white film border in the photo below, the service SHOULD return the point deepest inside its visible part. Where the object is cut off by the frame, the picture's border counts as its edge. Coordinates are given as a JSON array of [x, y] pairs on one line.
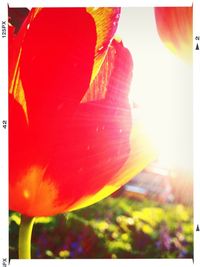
[[4, 124], [196, 129], [4, 134]]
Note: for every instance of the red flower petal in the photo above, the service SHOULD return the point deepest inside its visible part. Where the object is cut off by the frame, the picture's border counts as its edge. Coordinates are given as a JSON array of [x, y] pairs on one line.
[[18, 131], [119, 150], [12, 53], [15, 40], [69, 152], [56, 66], [174, 26], [97, 138], [55, 72], [57, 60]]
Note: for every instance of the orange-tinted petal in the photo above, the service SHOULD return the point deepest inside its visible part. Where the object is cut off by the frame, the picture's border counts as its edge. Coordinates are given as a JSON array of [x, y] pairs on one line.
[[99, 86], [174, 26], [106, 21]]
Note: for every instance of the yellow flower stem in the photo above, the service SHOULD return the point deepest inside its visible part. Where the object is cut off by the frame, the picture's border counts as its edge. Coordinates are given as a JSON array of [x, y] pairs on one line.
[[25, 232]]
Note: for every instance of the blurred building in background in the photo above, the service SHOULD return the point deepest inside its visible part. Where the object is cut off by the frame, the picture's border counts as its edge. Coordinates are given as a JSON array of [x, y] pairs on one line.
[[160, 184]]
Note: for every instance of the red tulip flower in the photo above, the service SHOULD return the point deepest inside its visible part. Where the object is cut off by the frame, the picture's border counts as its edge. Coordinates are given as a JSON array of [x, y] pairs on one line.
[[174, 26], [71, 131]]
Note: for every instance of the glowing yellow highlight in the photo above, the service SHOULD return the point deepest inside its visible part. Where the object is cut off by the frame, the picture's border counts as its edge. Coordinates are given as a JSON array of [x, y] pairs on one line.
[[26, 194], [184, 51]]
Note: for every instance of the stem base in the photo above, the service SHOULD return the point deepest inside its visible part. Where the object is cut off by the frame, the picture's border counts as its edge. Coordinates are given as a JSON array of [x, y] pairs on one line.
[[25, 232]]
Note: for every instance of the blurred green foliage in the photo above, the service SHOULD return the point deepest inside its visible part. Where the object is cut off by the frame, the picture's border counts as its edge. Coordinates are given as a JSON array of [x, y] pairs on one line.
[[112, 228]]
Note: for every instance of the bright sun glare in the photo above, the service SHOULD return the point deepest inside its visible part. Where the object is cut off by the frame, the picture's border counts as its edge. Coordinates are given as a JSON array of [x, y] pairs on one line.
[[161, 88]]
